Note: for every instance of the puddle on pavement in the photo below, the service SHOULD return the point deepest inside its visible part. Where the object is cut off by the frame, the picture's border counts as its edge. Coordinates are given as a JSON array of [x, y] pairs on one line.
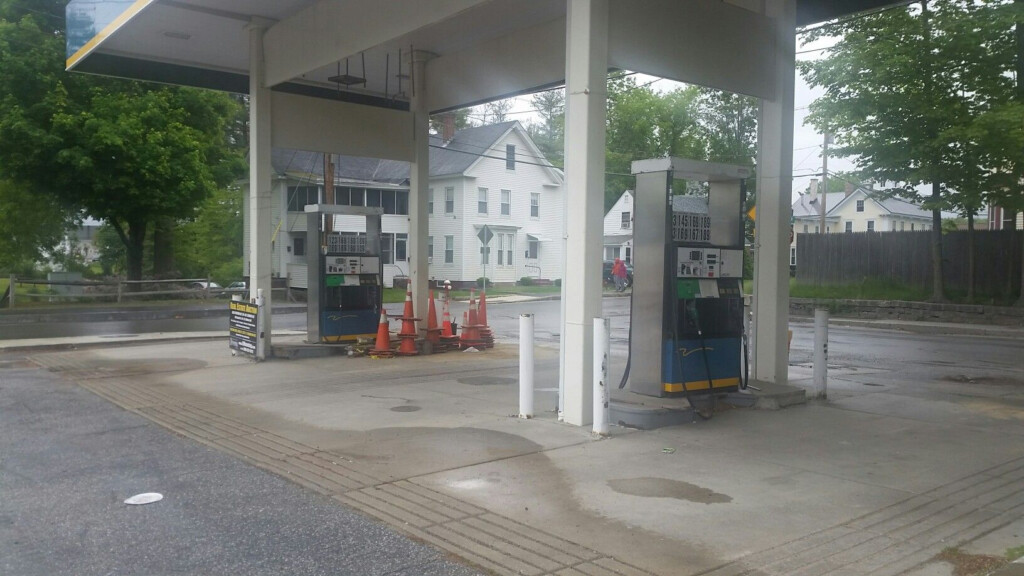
[[665, 488], [405, 409], [994, 380]]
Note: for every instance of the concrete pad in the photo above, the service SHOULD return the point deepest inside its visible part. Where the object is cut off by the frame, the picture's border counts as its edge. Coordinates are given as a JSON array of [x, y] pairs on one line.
[[747, 485]]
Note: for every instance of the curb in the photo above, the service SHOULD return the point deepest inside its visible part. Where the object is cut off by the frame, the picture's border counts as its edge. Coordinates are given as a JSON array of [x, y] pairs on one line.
[[925, 328]]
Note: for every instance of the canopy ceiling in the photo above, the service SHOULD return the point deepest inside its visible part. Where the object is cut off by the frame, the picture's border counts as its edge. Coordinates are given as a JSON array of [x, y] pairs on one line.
[[312, 44]]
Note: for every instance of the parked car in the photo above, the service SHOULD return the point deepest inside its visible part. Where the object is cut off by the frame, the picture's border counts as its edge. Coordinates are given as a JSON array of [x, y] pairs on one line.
[[606, 274], [237, 287], [203, 286]]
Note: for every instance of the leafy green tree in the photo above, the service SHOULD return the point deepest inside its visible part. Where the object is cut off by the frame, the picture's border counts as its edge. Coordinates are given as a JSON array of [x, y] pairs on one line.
[[211, 243], [902, 86], [33, 225], [124, 152], [111, 251]]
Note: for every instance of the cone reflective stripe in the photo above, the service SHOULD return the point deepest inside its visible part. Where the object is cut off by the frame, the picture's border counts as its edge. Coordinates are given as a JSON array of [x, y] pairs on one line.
[[383, 346]]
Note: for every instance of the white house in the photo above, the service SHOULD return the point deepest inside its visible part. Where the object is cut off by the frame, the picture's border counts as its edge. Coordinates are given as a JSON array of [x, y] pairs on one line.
[[856, 210], [490, 175], [618, 229]]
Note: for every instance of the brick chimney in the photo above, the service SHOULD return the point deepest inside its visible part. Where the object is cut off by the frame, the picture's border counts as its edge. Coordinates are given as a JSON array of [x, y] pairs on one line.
[[448, 128], [812, 188], [848, 189]]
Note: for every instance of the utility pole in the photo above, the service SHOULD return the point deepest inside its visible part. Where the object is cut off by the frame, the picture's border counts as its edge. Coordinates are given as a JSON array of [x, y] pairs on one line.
[[824, 180]]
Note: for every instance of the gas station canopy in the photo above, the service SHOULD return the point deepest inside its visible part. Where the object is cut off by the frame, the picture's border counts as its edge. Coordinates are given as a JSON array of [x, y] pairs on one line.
[[357, 50]]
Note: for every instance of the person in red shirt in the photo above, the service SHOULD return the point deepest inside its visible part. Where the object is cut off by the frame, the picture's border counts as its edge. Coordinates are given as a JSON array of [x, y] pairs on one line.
[[619, 274]]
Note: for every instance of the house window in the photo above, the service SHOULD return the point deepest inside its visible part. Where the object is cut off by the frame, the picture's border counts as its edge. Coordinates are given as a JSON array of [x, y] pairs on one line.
[[506, 202], [817, 229], [449, 200], [341, 195], [485, 254], [373, 198], [430, 201], [534, 205], [358, 197], [401, 242], [481, 200], [510, 156], [387, 201], [532, 248], [510, 244], [449, 249], [828, 229], [871, 225], [387, 248], [860, 205], [902, 226], [911, 226], [805, 228], [299, 246], [402, 202], [849, 226], [501, 249], [625, 220], [300, 196], [611, 252], [792, 256], [629, 254]]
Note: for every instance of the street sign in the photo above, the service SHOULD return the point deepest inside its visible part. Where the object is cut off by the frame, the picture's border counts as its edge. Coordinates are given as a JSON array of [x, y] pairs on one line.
[[485, 235]]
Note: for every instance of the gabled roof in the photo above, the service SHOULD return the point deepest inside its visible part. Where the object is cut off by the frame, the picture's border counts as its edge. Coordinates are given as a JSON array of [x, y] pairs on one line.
[[804, 207], [465, 149]]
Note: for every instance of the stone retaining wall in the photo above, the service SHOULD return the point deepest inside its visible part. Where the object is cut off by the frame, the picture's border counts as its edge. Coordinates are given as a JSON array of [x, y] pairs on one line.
[[913, 311]]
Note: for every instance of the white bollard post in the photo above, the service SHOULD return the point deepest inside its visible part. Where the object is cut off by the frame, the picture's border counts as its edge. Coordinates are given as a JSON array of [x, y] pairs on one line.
[[820, 352], [10, 290], [526, 365], [602, 349]]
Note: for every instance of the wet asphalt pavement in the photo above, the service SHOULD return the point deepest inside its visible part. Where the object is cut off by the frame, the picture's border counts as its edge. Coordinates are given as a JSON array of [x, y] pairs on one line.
[[68, 460]]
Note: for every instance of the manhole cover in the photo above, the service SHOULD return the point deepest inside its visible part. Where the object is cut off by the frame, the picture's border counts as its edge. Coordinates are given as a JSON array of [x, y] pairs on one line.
[[405, 408], [486, 381]]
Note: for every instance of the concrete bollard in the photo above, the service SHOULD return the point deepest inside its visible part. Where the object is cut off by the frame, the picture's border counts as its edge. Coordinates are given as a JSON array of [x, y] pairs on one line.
[[602, 349], [526, 365], [820, 353]]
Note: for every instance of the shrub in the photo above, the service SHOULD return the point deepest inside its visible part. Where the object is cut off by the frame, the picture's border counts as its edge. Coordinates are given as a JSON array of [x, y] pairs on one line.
[[482, 282], [526, 281], [558, 282]]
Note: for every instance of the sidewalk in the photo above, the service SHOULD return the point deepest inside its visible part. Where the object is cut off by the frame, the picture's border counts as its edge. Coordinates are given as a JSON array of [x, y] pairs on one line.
[[428, 446]]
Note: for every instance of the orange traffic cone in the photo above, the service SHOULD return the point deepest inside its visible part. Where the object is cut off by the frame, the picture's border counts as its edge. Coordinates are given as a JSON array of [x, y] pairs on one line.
[[482, 315], [408, 333], [446, 321], [484, 334], [408, 304], [433, 332], [383, 347]]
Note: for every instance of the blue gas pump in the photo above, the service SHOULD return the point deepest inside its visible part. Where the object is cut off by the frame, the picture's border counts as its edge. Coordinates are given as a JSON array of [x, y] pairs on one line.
[[345, 274], [687, 313]]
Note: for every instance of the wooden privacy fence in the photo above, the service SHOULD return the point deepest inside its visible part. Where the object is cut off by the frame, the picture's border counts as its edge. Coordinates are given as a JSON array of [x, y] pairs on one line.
[[905, 257]]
